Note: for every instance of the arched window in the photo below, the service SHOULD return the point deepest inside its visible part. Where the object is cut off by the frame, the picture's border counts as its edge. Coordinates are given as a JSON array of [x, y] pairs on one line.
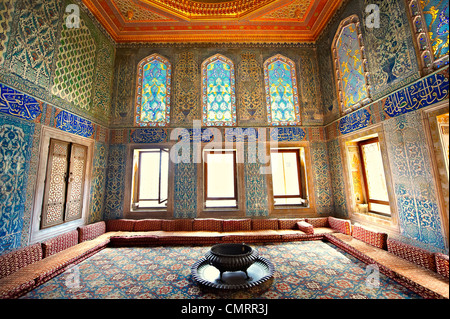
[[153, 92], [281, 91], [349, 62], [430, 26], [218, 92]]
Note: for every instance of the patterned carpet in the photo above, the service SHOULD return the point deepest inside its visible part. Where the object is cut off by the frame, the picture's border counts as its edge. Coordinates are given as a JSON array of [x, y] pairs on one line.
[[304, 270]]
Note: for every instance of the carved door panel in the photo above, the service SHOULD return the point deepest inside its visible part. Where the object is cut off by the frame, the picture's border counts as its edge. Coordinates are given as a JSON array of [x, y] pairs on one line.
[[64, 184]]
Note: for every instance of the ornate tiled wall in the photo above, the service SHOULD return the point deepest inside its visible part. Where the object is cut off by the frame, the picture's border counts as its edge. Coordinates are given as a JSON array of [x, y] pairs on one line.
[[31, 57], [398, 94], [185, 174], [255, 185], [37, 90], [38, 51], [185, 189], [115, 182], [22, 119], [414, 186], [6, 14], [337, 179], [390, 52], [322, 178], [98, 183], [390, 49], [16, 142], [34, 60], [248, 61], [412, 174]]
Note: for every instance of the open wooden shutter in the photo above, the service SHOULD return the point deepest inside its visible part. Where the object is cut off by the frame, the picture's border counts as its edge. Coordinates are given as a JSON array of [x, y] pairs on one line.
[[55, 184], [75, 185]]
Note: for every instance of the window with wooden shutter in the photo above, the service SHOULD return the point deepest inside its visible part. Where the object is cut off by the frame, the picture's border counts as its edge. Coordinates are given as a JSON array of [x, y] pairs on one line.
[[151, 178], [64, 184]]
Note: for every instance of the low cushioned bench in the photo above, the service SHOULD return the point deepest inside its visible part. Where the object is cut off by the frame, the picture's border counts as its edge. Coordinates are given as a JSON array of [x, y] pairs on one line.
[[411, 266], [24, 269], [29, 267], [212, 231], [29, 277]]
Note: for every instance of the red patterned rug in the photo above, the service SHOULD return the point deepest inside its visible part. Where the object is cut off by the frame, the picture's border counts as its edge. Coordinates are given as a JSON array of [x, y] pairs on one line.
[[303, 270]]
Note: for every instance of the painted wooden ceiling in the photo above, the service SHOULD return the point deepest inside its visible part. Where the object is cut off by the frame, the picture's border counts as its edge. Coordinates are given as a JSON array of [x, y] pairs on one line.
[[258, 21]]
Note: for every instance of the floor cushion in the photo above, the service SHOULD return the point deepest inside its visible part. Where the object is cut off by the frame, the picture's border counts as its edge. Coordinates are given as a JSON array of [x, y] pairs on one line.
[[13, 261], [374, 238], [120, 225], [413, 254], [91, 231], [305, 227], [207, 224], [318, 222], [148, 225], [263, 224], [289, 223], [59, 243], [442, 264], [236, 224], [341, 225], [177, 224]]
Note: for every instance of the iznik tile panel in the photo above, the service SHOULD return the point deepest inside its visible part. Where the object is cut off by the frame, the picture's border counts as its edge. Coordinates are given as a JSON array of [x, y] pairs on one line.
[[15, 103]]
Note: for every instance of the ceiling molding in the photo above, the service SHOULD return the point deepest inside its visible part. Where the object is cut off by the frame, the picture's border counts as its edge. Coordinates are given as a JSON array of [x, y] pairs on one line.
[[240, 21]]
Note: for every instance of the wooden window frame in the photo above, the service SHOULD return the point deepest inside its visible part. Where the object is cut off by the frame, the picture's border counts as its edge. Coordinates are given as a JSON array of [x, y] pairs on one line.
[[364, 176], [205, 178], [37, 234], [299, 176], [136, 191]]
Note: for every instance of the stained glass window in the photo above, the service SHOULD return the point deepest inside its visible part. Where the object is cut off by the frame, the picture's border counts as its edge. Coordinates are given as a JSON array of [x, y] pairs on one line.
[[436, 18], [218, 92], [281, 91], [153, 92], [350, 69]]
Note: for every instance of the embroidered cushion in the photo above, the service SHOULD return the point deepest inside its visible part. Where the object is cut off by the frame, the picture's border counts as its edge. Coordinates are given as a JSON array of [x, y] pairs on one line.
[[373, 238], [318, 222], [207, 224], [413, 254], [305, 227], [236, 224], [60, 243], [13, 261], [340, 225], [263, 224], [120, 225], [91, 231], [148, 225], [177, 224], [288, 223], [442, 264]]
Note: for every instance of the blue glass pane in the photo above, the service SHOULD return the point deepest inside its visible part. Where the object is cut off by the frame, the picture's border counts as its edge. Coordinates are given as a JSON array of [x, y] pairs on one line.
[[282, 93], [436, 17], [351, 69], [219, 92], [154, 91]]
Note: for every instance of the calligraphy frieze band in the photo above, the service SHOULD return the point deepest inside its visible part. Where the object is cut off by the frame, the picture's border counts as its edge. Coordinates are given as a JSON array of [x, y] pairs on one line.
[[426, 92], [18, 104], [73, 124], [354, 121]]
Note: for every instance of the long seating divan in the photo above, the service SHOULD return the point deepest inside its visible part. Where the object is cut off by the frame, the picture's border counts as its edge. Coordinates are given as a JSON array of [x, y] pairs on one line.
[[27, 268], [210, 230]]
